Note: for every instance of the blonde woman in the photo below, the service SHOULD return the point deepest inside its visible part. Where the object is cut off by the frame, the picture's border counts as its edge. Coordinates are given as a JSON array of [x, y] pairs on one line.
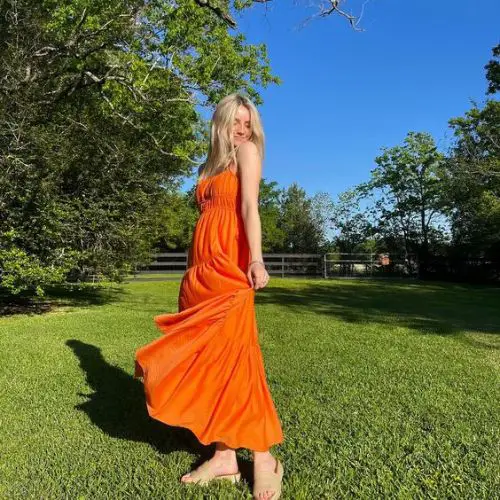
[[206, 372]]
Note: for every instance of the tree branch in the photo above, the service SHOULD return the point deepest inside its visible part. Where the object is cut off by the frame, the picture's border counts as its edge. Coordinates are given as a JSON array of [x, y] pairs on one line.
[[335, 9], [126, 119], [218, 12]]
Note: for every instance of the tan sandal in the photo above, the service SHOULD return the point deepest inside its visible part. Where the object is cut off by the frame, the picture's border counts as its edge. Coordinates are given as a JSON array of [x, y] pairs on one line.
[[204, 474], [269, 480]]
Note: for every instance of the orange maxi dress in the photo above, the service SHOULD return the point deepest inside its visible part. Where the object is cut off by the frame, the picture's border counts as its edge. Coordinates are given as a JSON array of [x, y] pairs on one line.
[[206, 371]]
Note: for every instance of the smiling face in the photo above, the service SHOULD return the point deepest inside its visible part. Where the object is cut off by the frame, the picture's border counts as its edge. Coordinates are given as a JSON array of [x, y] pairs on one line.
[[235, 121], [242, 127]]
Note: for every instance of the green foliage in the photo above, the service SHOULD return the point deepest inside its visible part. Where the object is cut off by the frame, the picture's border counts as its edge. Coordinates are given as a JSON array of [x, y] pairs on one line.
[[100, 116], [303, 231], [352, 224], [201, 49], [273, 235], [408, 185], [473, 181], [23, 273], [175, 221], [493, 71]]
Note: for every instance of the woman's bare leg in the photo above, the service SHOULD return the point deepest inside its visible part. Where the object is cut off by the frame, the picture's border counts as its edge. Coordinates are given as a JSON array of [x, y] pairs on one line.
[[223, 462]]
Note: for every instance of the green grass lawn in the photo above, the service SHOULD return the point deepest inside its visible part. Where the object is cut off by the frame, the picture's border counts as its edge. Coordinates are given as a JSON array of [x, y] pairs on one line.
[[384, 390]]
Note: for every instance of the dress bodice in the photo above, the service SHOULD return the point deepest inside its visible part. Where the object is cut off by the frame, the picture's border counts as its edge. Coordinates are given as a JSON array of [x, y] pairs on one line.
[[219, 191]]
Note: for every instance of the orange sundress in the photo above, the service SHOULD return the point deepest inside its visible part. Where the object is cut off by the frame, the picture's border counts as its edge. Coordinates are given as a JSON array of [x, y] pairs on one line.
[[206, 371]]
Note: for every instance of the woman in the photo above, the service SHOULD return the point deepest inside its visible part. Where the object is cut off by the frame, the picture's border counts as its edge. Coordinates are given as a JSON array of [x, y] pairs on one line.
[[206, 372]]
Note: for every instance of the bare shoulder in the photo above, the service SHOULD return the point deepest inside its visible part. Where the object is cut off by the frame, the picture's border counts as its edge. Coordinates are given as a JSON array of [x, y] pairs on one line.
[[247, 149]]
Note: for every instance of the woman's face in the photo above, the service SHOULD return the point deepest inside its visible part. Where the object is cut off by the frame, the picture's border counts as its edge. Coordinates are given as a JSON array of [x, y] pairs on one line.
[[242, 128]]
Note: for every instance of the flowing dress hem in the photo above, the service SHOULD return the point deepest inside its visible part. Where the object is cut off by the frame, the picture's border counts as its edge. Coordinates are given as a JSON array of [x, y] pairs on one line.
[[228, 443]]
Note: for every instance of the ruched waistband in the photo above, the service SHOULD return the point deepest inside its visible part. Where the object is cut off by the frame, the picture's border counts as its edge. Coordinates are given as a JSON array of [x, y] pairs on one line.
[[218, 202]]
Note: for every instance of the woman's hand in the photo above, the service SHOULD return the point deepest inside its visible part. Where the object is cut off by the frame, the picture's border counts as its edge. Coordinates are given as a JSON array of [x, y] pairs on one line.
[[257, 275]]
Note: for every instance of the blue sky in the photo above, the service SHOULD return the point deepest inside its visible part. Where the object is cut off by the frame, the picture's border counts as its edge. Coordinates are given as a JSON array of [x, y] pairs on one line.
[[346, 94]]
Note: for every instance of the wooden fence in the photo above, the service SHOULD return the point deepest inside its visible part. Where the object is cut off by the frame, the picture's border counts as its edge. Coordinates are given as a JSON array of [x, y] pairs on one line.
[[299, 264]]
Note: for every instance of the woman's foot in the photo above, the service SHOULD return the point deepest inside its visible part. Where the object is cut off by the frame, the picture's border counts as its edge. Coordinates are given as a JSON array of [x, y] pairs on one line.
[[223, 463], [265, 462]]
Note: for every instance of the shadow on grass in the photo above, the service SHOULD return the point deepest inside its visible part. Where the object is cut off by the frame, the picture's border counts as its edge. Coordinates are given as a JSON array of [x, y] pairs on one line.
[[428, 308], [70, 295], [118, 407]]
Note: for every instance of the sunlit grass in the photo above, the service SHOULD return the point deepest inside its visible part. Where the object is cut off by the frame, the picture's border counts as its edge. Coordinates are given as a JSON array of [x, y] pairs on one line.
[[384, 389]]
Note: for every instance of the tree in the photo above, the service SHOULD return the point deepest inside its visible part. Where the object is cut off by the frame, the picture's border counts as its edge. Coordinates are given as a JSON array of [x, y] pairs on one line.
[[408, 182], [493, 71], [175, 221], [273, 235], [99, 114], [100, 110], [322, 207], [473, 175], [303, 232], [351, 223]]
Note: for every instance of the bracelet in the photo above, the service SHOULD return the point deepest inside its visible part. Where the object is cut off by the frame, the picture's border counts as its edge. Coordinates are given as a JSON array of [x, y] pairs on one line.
[[259, 261]]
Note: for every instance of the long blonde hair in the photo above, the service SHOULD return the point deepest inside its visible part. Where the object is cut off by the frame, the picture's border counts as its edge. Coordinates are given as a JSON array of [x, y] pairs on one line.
[[221, 150]]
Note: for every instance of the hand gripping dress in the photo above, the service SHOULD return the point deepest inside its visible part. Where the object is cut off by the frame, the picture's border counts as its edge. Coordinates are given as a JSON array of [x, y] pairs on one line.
[[206, 371]]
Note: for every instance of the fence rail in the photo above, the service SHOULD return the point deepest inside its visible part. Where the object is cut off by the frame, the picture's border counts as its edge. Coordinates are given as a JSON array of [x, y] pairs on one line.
[[297, 264], [336, 264]]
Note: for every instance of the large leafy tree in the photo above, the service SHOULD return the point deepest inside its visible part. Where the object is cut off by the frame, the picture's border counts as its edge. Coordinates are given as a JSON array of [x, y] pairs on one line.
[[100, 112]]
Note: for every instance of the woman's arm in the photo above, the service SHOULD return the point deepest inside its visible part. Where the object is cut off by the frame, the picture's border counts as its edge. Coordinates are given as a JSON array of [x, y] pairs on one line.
[[250, 171]]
